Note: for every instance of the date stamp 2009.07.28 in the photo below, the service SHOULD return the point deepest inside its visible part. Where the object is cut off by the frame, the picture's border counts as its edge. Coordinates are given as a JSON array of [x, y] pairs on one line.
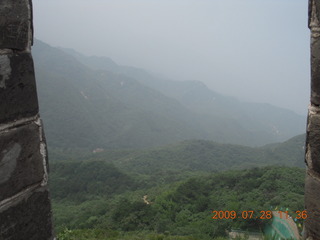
[[250, 214]]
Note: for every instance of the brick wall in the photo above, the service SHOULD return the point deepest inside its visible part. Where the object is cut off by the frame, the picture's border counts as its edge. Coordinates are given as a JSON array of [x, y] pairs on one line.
[[25, 210], [312, 157]]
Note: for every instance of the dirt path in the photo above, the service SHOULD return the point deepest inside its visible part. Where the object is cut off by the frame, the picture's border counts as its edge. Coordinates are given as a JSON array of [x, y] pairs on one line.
[[145, 200]]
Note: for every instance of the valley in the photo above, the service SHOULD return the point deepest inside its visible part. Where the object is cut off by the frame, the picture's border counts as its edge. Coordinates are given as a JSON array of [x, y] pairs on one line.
[[104, 194], [89, 105], [134, 155]]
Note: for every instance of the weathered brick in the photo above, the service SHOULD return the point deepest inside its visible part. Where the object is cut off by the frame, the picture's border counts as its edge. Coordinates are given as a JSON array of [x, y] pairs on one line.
[[14, 24], [29, 218], [25, 210], [18, 95], [20, 160], [313, 142], [315, 72]]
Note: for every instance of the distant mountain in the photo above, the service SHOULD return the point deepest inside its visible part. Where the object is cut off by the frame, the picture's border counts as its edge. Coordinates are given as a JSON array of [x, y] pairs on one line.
[[91, 102], [83, 108], [249, 123]]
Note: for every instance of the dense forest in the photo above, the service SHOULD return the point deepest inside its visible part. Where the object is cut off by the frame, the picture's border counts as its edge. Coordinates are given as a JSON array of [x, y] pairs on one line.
[[167, 193], [95, 198]]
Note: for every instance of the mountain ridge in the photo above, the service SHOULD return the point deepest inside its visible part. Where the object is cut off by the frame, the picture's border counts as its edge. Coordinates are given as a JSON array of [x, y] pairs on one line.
[[197, 97], [83, 107]]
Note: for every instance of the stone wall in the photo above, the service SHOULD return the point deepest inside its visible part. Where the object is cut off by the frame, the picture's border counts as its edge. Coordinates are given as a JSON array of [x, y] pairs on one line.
[[25, 210], [312, 187]]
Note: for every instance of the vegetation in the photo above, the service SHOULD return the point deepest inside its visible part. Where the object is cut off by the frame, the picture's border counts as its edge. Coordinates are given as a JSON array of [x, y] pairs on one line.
[[81, 180], [105, 195], [167, 163], [176, 209], [102, 234]]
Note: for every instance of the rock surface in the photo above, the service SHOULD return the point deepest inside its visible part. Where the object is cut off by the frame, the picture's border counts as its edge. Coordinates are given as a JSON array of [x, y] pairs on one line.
[[18, 94], [312, 157], [25, 209]]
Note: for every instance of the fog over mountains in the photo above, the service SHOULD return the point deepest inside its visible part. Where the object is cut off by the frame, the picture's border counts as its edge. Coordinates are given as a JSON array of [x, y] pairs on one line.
[[91, 102]]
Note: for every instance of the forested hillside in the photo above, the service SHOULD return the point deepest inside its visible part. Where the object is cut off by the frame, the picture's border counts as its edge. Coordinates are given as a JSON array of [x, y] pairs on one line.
[[174, 209], [197, 155], [170, 192]]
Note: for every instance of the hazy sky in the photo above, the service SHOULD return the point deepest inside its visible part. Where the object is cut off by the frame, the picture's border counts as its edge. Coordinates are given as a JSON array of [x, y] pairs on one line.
[[255, 50]]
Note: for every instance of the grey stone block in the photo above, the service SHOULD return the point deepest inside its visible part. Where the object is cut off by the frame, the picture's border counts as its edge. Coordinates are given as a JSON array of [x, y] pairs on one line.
[[317, 5], [18, 94], [315, 73], [21, 163], [30, 218], [313, 142], [15, 21], [312, 203]]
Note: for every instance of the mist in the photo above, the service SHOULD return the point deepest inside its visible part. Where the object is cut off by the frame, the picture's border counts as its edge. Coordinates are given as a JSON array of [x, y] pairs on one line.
[[254, 50]]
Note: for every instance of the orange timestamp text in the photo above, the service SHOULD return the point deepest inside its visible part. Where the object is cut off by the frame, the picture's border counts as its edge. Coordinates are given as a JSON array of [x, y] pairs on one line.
[[250, 214]]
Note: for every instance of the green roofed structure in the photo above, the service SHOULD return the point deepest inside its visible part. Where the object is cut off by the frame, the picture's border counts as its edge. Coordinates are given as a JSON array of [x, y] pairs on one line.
[[282, 227]]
